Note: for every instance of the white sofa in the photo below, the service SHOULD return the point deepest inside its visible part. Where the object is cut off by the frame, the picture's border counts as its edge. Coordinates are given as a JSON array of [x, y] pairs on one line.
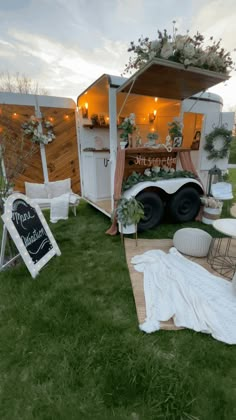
[[42, 194]]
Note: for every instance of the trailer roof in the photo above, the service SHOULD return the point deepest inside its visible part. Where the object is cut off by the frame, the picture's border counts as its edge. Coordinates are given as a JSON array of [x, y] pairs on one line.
[[167, 79]]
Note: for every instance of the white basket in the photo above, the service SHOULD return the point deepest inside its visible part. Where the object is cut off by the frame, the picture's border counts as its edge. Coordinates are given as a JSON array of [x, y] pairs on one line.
[[210, 215]]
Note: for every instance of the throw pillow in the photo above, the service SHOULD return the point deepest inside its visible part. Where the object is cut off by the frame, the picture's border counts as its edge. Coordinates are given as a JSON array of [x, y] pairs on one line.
[[57, 188], [33, 190]]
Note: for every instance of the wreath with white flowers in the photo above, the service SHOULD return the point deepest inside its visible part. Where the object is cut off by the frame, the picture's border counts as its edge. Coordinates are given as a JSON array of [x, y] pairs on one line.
[[31, 130], [210, 146]]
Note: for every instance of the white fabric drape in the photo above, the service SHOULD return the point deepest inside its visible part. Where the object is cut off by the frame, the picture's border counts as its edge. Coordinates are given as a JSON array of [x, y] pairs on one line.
[[59, 208], [177, 287]]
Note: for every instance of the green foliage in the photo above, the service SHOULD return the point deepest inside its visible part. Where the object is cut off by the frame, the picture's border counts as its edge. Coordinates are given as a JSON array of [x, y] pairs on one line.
[[175, 128], [232, 155], [211, 137], [127, 126], [136, 177], [153, 135], [129, 211]]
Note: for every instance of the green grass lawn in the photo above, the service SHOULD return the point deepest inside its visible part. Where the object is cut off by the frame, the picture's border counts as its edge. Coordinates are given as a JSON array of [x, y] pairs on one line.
[[71, 348], [232, 179], [232, 156]]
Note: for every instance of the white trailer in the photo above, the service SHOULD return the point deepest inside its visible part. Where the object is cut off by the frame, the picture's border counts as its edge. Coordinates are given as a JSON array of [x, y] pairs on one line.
[[156, 94]]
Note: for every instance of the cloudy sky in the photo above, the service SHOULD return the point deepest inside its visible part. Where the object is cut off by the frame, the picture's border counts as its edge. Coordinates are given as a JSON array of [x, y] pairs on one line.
[[65, 45]]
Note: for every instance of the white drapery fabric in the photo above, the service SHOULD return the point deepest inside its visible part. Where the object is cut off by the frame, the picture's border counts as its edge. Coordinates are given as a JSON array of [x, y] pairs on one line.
[[59, 208], [177, 287]]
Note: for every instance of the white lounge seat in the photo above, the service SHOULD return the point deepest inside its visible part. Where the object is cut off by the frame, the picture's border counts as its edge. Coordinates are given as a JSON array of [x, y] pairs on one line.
[[42, 194]]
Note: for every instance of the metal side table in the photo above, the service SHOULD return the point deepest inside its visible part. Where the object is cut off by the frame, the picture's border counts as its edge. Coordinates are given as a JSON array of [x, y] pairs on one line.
[[222, 252]]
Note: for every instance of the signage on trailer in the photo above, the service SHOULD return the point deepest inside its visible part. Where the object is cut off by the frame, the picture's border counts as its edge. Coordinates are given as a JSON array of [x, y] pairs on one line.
[[30, 232]]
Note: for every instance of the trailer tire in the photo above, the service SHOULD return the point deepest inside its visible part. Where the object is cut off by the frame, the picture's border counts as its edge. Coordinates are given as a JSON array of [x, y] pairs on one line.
[[184, 205], [153, 210]]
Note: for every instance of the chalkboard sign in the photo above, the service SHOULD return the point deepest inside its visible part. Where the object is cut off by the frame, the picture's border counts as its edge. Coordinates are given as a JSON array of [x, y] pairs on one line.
[[30, 232]]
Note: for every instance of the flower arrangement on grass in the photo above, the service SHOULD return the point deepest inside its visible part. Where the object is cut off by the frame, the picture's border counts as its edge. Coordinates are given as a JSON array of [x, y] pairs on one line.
[[185, 49], [31, 130], [211, 202]]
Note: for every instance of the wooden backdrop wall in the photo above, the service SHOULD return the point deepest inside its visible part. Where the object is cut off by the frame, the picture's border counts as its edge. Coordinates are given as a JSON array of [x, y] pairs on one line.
[[61, 154]]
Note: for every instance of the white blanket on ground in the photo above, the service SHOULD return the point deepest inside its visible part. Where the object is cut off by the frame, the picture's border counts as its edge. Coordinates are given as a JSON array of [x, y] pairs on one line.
[[59, 208], [177, 287]]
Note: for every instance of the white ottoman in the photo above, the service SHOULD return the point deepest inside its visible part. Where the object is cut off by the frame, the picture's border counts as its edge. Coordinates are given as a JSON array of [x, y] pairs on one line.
[[192, 241]]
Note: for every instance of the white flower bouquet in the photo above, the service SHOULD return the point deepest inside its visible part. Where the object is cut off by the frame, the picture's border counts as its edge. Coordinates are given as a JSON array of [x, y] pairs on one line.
[[211, 202], [185, 49]]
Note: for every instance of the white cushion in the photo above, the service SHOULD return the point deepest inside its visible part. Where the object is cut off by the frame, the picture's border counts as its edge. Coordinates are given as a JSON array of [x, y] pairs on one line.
[[192, 241], [33, 190], [57, 188], [74, 198], [44, 203]]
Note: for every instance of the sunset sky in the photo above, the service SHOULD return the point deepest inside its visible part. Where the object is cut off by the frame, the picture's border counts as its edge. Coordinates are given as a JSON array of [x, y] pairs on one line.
[[67, 45]]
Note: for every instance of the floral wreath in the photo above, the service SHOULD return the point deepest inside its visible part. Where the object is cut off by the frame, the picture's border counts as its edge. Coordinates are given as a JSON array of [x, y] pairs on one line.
[[31, 130], [211, 137]]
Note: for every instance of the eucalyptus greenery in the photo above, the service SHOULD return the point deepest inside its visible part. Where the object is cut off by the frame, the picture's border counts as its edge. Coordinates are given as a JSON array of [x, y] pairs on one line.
[[154, 175], [210, 139], [129, 211], [175, 128], [127, 126]]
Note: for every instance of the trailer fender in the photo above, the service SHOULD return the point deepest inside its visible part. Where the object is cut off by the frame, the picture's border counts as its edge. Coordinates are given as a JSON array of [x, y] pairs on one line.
[[169, 186]]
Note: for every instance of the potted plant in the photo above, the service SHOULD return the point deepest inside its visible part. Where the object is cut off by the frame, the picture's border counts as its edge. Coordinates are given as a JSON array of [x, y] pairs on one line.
[[152, 137], [128, 127], [129, 212], [175, 132], [212, 209]]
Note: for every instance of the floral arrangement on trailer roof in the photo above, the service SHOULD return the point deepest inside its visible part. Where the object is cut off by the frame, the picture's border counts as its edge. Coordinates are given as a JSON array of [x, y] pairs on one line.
[[32, 130], [185, 49]]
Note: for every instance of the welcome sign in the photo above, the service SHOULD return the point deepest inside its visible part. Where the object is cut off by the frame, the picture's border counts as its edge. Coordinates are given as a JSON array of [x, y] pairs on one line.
[[30, 232]]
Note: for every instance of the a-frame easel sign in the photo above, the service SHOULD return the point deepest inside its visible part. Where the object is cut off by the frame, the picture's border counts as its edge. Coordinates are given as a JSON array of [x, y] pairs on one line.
[[30, 232]]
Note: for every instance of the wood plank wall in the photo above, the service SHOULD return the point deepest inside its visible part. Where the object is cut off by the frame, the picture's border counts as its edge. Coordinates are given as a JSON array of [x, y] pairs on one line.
[[12, 117], [61, 154]]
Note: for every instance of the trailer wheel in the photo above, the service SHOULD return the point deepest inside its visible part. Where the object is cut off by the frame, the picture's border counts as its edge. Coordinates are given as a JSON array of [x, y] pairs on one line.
[[153, 210], [184, 205]]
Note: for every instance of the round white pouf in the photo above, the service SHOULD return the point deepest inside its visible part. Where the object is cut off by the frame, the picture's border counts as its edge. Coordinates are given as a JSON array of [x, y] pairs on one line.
[[192, 241]]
